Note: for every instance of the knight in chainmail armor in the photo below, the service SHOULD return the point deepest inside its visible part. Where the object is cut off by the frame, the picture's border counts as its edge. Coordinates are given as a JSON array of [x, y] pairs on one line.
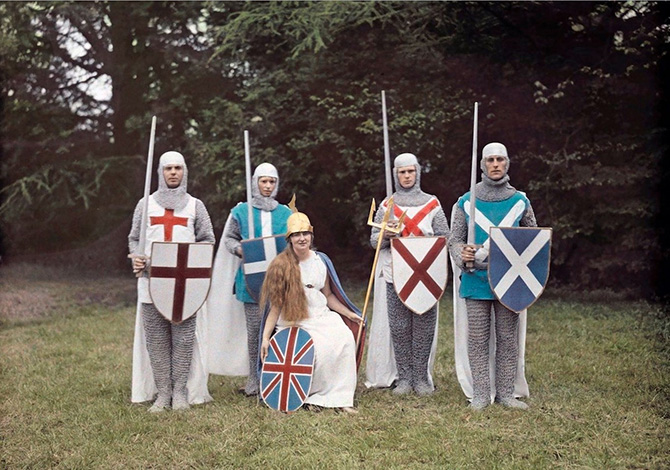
[[412, 335], [269, 219], [497, 200], [170, 346]]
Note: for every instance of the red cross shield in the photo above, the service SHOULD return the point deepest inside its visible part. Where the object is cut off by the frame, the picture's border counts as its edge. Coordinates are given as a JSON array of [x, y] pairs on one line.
[[179, 278], [420, 271]]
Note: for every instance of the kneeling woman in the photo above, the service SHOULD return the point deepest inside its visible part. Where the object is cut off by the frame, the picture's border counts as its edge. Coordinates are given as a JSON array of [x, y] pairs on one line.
[[299, 293]]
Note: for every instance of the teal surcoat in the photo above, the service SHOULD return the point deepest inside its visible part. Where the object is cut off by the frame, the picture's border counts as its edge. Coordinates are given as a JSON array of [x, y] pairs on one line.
[[506, 213], [240, 212]]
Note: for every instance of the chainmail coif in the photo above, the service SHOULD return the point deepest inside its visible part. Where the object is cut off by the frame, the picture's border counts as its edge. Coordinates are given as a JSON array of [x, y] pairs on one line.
[[264, 203], [409, 197], [171, 198]]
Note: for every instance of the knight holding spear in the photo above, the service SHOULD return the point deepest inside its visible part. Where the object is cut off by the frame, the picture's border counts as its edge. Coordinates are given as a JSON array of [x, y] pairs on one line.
[[412, 334], [493, 202], [234, 315], [167, 360]]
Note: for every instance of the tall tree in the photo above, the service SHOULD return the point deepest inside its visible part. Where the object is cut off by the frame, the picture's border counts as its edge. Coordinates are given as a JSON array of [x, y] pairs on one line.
[[572, 88], [68, 145], [567, 86]]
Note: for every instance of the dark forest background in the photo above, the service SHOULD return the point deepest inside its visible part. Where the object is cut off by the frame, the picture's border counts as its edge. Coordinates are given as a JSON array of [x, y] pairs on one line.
[[574, 89]]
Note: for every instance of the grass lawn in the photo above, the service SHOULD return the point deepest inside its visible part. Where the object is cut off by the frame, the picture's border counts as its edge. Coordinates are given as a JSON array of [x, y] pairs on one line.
[[598, 373]]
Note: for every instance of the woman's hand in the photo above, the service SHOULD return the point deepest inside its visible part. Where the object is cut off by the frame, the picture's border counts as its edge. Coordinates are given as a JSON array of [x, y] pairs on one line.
[[353, 317], [265, 346]]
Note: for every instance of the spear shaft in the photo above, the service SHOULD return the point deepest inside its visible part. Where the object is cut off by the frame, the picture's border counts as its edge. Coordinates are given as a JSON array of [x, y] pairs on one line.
[[147, 187], [473, 181], [247, 165], [387, 150], [372, 274], [383, 227], [473, 186]]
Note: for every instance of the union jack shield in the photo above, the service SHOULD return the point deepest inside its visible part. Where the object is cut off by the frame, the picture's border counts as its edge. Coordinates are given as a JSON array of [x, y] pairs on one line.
[[519, 264], [286, 375], [179, 278], [420, 271], [257, 253]]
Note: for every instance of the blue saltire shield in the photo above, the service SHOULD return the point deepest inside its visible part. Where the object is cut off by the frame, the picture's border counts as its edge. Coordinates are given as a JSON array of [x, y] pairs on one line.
[[257, 253], [286, 375], [519, 264]]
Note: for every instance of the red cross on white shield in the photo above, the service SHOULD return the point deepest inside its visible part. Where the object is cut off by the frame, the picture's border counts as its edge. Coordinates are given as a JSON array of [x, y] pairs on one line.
[[420, 271], [179, 278]]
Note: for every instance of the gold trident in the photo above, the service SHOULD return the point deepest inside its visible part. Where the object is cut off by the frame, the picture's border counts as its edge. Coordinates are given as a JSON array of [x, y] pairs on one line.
[[383, 227]]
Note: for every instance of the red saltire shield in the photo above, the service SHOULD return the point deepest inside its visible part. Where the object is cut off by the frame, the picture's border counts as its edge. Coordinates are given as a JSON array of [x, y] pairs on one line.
[[420, 271], [179, 278]]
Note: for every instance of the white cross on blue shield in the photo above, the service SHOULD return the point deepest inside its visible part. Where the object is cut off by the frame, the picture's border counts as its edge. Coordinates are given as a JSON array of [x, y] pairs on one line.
[[519, 264], [257, 254]]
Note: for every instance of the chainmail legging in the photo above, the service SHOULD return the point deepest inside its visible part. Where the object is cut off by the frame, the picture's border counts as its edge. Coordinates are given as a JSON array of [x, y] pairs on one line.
[[507, 346], [412, 337], [170, 350], [253, 316]]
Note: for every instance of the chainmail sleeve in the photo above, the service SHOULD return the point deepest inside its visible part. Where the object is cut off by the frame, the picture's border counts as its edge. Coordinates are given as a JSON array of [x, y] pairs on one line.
[[232, 235], [134, 235], [528, 217], [440, 224], [204, 231], [459, 234], [374, 235]]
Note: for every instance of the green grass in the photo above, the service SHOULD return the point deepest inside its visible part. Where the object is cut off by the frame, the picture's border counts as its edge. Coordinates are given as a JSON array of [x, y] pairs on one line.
[[598, 375]]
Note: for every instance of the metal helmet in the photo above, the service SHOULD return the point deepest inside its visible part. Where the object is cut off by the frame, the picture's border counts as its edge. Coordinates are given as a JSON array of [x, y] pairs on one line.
[[298, 222]]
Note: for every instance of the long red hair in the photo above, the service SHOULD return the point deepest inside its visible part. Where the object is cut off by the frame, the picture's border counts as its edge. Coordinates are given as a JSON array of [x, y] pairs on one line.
[[283, 288]]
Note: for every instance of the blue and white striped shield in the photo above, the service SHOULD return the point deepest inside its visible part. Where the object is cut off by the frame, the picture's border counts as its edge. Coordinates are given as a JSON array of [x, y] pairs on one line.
[[519, 264], [257, 254], [286, 375]]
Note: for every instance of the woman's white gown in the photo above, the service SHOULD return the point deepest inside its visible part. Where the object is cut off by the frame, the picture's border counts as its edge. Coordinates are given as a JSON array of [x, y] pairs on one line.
[[334, 376]]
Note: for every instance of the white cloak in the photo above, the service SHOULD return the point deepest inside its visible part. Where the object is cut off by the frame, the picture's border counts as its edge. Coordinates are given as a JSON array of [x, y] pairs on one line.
[[227, 352]]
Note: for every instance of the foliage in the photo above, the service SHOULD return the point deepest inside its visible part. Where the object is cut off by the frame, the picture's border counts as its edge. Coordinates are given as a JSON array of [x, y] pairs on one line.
[[574, 97], [57, 121], [598, 387], [572, 89]]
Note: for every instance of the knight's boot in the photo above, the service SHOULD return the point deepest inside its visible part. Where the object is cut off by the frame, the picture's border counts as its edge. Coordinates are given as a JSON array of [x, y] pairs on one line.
[[158, 340], [423, 331], [183, 338], [479, 330], [253, 317], [507, 348], [400, 326]]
